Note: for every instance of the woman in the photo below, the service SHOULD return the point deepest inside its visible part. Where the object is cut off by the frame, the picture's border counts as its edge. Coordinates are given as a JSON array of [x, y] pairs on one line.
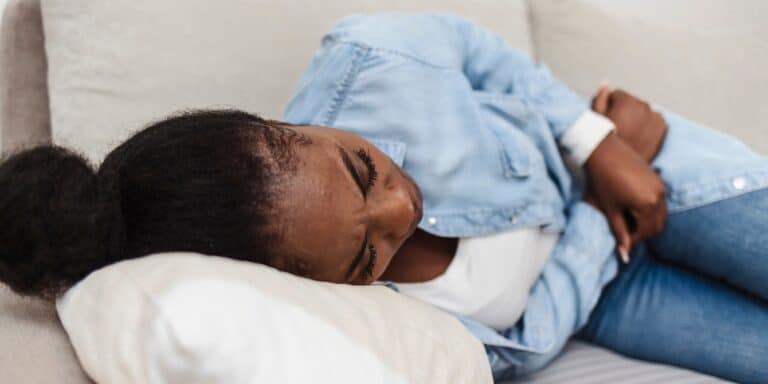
[[480, 128]]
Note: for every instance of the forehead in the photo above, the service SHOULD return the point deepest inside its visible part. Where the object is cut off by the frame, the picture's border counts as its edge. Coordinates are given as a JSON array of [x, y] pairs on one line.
[[320, 208]]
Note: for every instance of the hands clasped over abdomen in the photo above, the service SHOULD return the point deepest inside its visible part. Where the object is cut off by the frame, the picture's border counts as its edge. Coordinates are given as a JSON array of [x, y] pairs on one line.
[[620, 181]]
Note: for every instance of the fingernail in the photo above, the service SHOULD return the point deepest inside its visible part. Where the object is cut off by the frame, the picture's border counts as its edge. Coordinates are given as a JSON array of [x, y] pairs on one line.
[[624, 255], [604, 83]]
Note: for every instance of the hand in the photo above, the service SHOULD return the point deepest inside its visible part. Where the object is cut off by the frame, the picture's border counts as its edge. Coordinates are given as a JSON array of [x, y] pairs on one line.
[[637, 124], [627, 191]]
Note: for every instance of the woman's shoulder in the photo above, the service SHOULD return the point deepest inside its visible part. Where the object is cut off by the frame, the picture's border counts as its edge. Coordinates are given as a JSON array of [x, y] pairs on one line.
[[425, 37], [381, 60]]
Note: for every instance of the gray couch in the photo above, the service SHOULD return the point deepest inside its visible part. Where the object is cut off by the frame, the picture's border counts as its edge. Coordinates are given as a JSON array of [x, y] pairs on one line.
[[705, 59]]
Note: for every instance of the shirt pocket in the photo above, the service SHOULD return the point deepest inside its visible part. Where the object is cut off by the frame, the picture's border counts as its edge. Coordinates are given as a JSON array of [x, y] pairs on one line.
[[503, 115]]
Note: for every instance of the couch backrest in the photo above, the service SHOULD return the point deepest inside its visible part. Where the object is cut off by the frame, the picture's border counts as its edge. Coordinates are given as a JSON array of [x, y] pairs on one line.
[[114, 66], [704, 59], [33, 346]]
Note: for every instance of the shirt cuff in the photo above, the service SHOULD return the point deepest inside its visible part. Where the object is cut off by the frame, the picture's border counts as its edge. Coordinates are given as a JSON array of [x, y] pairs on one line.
[[581, 138]]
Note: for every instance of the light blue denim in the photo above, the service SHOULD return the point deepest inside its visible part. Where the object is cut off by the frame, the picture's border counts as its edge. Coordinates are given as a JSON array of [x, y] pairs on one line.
[[696, 296], [477, 124]]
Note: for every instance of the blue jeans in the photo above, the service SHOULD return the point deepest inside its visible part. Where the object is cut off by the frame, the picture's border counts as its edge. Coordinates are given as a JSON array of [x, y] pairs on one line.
[[697, 295]]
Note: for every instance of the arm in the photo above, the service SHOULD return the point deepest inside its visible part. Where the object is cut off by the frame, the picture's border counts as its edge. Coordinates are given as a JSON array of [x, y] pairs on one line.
[[491, 65], [620, 181], [568, 289], [637, 124], [627, 190]]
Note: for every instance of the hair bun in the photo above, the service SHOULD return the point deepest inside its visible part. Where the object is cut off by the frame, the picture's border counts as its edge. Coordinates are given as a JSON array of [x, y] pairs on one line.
[[49, 214]]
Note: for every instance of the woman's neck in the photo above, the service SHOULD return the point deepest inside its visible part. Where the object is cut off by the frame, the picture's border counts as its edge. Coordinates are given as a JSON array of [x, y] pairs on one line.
[[422, 257]]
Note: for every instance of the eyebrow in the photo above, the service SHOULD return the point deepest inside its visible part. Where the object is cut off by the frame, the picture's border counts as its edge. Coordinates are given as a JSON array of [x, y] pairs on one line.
[[352, 171]]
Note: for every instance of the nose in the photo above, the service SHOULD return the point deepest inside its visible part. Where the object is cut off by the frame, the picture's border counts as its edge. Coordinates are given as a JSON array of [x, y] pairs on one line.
[[393, 212]]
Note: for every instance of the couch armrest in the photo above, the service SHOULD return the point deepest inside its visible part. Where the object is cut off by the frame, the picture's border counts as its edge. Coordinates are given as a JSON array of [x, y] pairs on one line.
[[24, 110]]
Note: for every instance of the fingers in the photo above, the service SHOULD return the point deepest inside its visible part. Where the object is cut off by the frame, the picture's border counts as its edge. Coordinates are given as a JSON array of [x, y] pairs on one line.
[[651, 220], [661, 219], [660, 216], [622, 97], [620, 232], [600, 101], [646, 224]]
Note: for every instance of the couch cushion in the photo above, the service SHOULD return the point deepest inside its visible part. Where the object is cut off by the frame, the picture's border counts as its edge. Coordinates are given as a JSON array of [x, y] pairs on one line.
[[583, 363], [115, 65], [35, 348], [703, 59]]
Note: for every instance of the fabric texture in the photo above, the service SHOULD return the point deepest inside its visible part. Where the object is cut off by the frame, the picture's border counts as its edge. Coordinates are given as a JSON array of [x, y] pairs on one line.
[[584, 363], [180, 317], [697, 295]]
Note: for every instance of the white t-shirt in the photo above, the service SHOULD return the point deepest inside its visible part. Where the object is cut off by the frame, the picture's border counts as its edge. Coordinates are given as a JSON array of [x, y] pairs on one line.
[[489, 277]]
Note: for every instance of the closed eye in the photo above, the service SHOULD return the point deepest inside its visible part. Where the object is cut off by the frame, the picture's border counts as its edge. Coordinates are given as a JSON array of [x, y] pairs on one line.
[[363, 154], [367, 272], [353, 172]]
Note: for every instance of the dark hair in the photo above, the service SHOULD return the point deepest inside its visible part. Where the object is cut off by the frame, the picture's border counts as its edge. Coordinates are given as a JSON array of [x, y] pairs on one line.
[[202, 181]]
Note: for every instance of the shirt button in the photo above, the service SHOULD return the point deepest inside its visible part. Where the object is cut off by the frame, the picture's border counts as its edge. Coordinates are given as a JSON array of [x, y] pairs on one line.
[[431, 221], [513, 218], [739, 183]]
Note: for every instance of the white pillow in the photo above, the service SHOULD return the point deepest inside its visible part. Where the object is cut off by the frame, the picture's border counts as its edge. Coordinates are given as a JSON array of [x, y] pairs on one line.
[[189, 318], [115, 65]]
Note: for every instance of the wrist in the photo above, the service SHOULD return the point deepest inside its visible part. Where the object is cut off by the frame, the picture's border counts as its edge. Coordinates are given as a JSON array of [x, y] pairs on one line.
[[602, 151], [582, 137]]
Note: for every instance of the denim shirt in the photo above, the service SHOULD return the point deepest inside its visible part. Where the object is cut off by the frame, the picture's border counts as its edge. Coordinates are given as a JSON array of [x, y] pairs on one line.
[[478, 126]]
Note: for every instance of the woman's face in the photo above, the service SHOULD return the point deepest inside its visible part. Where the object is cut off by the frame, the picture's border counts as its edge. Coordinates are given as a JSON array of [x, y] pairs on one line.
[[346, 211]]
